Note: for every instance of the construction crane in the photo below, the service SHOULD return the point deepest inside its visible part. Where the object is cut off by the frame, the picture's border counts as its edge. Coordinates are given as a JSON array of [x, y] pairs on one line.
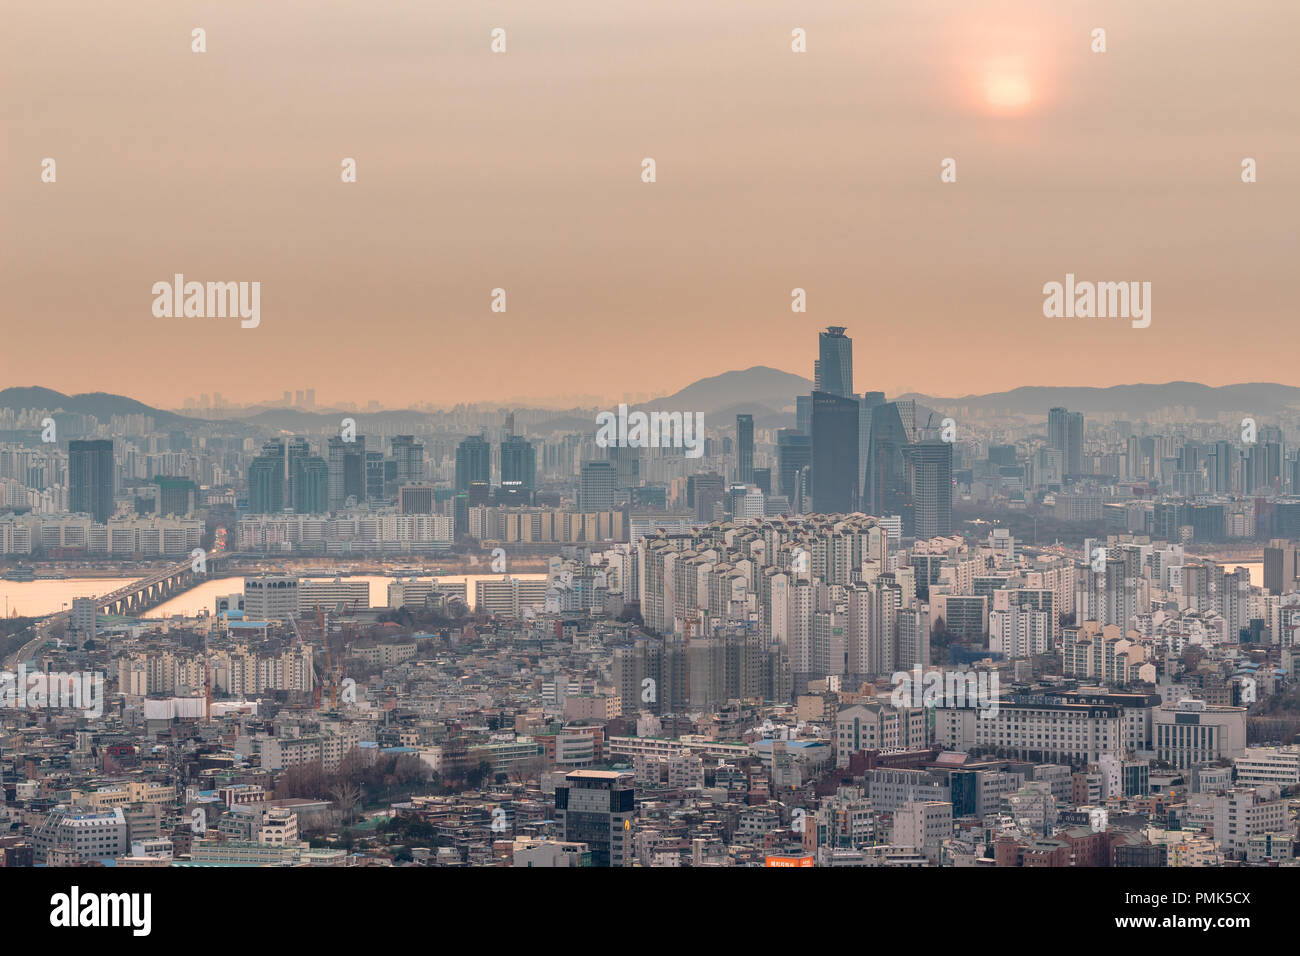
[[298, 641], [690, 626], [207, 681], [329, 664]]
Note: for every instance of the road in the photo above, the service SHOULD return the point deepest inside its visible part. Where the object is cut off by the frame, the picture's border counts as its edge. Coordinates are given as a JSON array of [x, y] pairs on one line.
[[41, 628]]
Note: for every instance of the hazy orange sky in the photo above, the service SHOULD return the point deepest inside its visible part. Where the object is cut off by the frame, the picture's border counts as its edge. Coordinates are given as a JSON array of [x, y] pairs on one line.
[[522, 170]]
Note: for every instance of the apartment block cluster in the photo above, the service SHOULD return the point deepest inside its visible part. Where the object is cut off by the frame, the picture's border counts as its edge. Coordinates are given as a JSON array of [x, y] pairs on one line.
[[283, 597], [571, 738], [792, 649], [66, 535], [237, 672]]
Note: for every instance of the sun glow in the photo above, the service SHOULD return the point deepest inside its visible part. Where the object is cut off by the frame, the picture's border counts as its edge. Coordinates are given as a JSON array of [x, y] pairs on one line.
[[1008, 92], [1006, 67], [1007, 87]]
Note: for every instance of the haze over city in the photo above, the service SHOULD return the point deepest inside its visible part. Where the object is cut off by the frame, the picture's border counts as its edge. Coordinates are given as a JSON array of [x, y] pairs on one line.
[[689, 436], [521, 171]]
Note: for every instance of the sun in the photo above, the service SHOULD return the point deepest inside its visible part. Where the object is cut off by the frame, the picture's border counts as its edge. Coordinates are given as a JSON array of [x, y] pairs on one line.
[[1007, 85], [1004, 67], [1008, 92]]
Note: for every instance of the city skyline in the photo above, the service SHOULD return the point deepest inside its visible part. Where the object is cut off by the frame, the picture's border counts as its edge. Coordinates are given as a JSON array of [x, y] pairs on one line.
[[677, 436]]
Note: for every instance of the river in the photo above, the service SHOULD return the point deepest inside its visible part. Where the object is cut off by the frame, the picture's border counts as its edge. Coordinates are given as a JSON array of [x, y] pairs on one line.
[[36, 598]]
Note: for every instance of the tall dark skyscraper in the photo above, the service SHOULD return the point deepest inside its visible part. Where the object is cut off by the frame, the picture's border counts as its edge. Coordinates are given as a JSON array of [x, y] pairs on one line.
[[311, 485], [479, 493], [834, 368], [409, 455], [627, 465], [596, 807], [867, 403], [803, 414], [175, 496], [1074, 443], [793, 456], [596, 486], [347, 465], [377, 475], [889, 491], [1056, 429], [1065, 434], [1266, 465], [835, 453], [519, 463], [90, 478], [295, 449], [473, 462], [745, 449], [929, 473], [1220, 462], [266, 485], [275, 477], [703, 492]]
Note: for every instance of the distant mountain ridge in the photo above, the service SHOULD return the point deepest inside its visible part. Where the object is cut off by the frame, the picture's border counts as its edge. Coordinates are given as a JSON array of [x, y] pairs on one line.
[[1136, 400], [102, 405], [766, 393]]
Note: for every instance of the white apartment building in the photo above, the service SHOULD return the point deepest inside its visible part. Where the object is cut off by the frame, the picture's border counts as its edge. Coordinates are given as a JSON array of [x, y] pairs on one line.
[[872, 726], [345, 534], [1020, 631], [74, 835], [550, 853], [1190, 732], [666, 748], [889, 789], [1073, 733], [1279, 766], [923, 825], [271, 597], [120, 536], [326, 749], [415, 593], [15, 538], [279, 827], [510, 597], [330, 594], [1242, 813], [1103, 652]]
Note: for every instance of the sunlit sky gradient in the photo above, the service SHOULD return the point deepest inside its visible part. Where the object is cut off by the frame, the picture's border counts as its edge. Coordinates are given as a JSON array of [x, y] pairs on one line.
[[522, 170]]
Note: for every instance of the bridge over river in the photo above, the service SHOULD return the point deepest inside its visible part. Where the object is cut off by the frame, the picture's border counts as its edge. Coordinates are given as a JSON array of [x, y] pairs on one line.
[[139, 596], [135, 598]]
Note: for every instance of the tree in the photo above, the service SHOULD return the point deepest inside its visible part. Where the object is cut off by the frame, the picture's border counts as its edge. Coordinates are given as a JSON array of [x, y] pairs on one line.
[[353, 766], [940, 639], [306, 780], [530, 769], [474, 777], [346, 795]]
